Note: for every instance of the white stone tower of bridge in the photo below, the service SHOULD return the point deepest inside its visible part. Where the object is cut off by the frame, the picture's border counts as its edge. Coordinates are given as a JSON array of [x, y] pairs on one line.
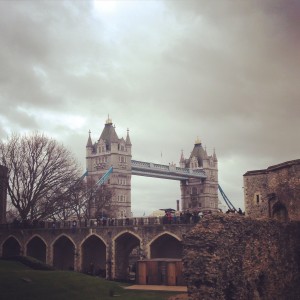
[[200, 194], [111, 151]]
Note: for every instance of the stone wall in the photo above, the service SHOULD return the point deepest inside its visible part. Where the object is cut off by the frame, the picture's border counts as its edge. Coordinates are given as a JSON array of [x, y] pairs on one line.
[[274, 192], [235, 257]]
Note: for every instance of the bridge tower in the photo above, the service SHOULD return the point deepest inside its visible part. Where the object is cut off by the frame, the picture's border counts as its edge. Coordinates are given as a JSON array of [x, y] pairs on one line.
[[200, 194], [111, 151]]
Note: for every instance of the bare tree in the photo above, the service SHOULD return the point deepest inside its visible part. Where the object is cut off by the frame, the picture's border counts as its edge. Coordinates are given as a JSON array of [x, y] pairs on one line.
[[41, 172], [87, 200]]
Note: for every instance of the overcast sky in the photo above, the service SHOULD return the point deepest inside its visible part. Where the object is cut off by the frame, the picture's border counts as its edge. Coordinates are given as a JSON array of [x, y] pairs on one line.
[[225, 71]]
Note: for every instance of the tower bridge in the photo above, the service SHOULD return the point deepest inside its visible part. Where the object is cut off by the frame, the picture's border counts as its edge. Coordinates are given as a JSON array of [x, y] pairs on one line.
[[110, 248], [197, 174]]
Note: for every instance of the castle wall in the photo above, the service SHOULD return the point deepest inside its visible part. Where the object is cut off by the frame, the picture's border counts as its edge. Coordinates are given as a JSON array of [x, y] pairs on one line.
[[236, 257], [277, 187]]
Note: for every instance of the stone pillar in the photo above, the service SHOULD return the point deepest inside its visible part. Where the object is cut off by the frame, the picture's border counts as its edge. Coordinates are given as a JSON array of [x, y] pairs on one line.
[[184, 198], [77, 259], [49, 255], [109, 258]]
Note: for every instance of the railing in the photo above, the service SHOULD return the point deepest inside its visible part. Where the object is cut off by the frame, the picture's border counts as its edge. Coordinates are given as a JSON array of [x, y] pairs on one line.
[[140, 164], [109, 222]]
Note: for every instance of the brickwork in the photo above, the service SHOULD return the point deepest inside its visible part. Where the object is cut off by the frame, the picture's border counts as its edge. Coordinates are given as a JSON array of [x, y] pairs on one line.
[[274, 192], [236, 257]]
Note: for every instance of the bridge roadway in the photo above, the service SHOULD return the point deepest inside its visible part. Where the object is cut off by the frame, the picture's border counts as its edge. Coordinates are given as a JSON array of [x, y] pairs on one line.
[[108, 249], [164, 171]]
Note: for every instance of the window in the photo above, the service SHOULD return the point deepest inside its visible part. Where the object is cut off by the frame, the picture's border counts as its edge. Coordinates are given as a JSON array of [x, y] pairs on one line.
[[257, 198], [122, 159]]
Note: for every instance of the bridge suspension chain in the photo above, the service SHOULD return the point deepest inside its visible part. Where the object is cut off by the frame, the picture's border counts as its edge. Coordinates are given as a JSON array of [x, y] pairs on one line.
[[227, 201]]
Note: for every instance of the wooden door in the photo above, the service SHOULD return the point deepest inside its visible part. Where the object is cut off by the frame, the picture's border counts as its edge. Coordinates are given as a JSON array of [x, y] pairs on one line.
[[171, 271], [152, 272], [142, 271]]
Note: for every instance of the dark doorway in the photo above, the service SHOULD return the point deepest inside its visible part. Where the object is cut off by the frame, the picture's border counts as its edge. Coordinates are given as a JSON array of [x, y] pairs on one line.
[[63, 254], [94, 256], [11, 247], [127, 246], [280, 212], [37, 248], [166, 246]]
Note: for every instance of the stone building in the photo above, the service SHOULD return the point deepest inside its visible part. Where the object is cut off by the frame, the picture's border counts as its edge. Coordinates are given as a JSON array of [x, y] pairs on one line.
[[274, 192], [111, 151], [3, 193], [200, 194]]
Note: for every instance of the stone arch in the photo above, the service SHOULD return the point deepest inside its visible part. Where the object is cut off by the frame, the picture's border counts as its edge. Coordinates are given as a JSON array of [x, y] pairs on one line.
[[36, 247], [279, 212], [64, 251], [127, 246], [93, 255], [165, 245], [11, 247]]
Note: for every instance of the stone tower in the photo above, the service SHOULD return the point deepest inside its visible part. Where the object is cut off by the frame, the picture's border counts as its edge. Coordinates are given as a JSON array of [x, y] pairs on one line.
[[199, 194], [3, 193], [111, 151]]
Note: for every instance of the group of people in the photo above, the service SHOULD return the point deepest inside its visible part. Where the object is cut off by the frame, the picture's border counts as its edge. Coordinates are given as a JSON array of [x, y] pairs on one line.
[[184, 217], [170, 217], [234, 211]]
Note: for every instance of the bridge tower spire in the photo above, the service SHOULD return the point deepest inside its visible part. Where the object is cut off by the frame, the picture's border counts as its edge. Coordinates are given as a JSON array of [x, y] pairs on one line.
[[200, 194], [111, 151]]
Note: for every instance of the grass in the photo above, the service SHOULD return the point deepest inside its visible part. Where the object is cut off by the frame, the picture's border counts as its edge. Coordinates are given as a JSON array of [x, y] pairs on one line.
[[19, 282]]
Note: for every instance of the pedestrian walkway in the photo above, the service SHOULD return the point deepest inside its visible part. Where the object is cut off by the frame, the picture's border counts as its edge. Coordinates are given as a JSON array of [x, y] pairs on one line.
[[169, 288]]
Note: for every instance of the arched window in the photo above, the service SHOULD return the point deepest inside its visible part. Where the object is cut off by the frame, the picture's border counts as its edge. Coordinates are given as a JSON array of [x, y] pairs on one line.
[[279, 212]]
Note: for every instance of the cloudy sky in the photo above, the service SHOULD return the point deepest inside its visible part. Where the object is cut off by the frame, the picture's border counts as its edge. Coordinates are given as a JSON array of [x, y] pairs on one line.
[[226, 71]]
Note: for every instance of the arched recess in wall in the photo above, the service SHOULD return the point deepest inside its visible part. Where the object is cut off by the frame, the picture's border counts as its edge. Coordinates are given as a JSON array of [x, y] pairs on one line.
[[127, 252], [279, 212], [37, 248], [11, 247], [63, 253], [93, 256], [166, 245]]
